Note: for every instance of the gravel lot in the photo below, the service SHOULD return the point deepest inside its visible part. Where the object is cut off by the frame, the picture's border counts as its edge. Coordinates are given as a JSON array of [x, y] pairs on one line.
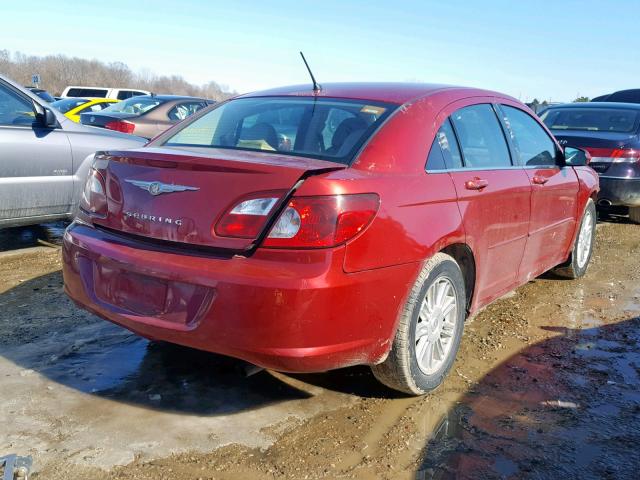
[[546, 385]]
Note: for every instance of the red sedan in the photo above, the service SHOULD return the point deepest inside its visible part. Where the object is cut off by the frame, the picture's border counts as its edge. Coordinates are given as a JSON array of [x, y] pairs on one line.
[[306, 230]]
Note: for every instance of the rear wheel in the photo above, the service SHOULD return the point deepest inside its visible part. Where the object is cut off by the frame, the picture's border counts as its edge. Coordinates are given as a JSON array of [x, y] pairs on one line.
[[577, 264], [430, 329], [634, 214]]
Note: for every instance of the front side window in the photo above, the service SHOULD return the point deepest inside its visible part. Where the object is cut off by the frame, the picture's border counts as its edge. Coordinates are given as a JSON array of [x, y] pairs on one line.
[[15, 110], [619, 120], [444, 153], [330, 129], [533, 145], [481, 138]]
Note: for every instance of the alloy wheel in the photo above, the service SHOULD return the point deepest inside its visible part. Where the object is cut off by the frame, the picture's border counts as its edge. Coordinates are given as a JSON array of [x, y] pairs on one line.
[[436, 325]]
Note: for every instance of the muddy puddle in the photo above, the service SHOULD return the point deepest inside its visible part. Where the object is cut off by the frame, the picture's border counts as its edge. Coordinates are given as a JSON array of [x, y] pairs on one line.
[[546, 385]]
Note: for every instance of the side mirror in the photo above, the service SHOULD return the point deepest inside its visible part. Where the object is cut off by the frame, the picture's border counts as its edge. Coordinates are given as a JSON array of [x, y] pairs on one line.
[[576, 157], [44, 116]]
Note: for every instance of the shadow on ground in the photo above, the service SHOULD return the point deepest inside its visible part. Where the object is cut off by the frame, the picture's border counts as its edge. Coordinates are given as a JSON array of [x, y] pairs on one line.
[[31, 236], [568, 407], [41, 330]]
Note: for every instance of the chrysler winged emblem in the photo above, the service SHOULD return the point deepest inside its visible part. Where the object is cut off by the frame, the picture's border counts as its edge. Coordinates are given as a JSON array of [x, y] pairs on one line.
[[156, 188]]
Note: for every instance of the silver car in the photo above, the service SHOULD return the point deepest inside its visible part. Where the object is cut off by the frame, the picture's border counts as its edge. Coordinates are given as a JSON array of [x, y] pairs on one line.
[[45, 157]]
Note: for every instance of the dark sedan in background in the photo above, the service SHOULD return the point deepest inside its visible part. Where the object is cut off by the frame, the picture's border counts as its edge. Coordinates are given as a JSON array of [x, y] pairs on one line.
[[631, 95], [610, 132], [145, 116]]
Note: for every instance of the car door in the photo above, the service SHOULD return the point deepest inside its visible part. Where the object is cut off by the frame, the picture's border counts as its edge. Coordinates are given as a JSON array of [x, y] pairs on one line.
[[554, 192], [36, 175], [494, 197]]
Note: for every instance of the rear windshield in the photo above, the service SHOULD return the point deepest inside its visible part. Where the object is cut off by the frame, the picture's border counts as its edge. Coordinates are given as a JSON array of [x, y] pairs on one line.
[[591, 119], [325, 128], [43, 94], [137, 105], [87, 92], [67, 104]]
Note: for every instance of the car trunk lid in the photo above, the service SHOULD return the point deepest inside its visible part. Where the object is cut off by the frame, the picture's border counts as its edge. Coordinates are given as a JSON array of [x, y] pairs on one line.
[[178, 196], [599, 144], [95, 119]]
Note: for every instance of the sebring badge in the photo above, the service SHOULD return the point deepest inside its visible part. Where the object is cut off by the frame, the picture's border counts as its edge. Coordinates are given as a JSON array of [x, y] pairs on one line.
[[156, 188]]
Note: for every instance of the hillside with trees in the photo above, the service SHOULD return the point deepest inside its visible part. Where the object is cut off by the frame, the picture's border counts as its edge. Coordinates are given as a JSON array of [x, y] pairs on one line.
[[58, 71]]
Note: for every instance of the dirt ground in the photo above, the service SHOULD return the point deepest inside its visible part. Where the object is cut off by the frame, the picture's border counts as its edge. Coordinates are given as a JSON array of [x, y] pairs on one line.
[[546, 385]]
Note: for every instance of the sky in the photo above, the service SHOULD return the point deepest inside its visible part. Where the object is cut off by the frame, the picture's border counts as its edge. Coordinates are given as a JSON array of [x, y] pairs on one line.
[[552, 50]]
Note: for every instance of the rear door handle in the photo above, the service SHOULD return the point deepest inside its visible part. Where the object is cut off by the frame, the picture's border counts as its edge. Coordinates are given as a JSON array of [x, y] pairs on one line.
[[538, 180], [476, 184]]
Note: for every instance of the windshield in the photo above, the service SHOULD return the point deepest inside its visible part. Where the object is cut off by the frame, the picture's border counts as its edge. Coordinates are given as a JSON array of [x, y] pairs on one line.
[[591, 119], [67, 104], [137, 105], [325, 128]]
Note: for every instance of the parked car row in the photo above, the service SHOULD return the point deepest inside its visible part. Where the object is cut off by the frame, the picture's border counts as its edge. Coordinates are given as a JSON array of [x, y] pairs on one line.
[[142, 113], [45, 157], [610, 132], [146, 116]]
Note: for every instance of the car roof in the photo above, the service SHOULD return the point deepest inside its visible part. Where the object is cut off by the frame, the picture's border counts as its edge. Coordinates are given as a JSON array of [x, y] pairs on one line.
[[628, 106], [388, 92], [172, 97]]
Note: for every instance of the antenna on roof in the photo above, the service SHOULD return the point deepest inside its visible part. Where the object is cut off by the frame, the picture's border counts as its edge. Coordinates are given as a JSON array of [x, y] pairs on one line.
[[316, 86]]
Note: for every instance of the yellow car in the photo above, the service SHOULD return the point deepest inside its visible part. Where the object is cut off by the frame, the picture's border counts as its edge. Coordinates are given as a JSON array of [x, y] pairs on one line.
[[73, 107]]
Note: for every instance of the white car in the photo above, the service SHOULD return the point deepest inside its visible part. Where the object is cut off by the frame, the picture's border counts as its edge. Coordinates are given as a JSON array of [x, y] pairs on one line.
[[101, 92]]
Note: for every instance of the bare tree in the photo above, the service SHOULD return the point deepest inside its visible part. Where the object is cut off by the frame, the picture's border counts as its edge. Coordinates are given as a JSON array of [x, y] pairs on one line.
[[59, 71]]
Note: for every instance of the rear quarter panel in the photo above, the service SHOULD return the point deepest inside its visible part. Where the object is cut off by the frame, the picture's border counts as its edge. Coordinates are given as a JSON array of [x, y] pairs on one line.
[[589, 183], [418, 213]]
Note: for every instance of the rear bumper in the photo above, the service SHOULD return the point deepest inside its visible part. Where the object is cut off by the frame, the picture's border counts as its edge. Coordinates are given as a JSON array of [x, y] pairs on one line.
[[619, 192], [293, 311]]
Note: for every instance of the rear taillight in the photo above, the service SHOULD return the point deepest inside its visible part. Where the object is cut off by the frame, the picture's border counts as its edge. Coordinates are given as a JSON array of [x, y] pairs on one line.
[[306, 222], [246, 219], [614, 155], [120, 126], [323, 221], [94, 198]]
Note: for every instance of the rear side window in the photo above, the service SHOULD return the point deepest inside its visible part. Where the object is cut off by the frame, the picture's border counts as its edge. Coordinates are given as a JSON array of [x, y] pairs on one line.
[[481, 138], [184, 110], [124, 94], [87, 92], [444, 153], [532, 144]]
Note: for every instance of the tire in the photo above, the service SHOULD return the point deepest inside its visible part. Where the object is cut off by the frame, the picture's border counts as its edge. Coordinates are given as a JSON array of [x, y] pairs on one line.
[[634, 214], [577, 264], [402, 369]]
